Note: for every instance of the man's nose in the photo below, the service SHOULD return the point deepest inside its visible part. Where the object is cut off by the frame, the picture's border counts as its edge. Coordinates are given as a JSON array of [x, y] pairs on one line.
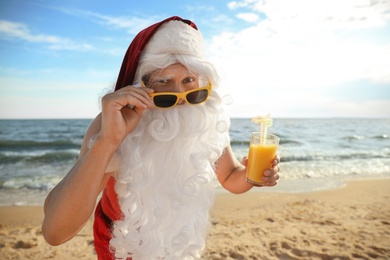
[[179, 88], [181, 101]]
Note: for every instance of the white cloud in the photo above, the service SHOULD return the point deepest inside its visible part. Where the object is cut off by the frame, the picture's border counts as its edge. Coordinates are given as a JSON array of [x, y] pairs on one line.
[[295, 50], [307, 17], [21, 31], [13, 30], [238, 4], [71, 46], [298, 37], [275, 61], [249, 17], [330, 14], [300, 104], [380, 73], [196, 8], [130, 23]]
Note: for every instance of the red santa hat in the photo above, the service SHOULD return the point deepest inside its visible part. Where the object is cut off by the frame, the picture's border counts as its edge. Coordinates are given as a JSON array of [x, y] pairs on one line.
[[172, 35]]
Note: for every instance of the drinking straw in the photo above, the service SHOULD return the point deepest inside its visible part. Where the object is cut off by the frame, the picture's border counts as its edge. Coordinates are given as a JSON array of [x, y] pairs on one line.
[[264, 123]]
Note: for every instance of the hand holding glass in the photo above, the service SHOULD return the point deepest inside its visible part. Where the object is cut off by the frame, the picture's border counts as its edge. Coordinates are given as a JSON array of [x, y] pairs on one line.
[[261, 155]]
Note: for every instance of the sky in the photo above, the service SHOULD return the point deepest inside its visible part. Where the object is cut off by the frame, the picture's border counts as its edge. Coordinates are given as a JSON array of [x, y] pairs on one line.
[[292, 59]]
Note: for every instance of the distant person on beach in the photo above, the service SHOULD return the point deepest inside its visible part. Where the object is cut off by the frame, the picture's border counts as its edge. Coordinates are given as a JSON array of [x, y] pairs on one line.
[[156, 151]]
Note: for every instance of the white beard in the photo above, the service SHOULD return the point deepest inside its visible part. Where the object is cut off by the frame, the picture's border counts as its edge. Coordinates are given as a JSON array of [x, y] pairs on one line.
[[166, 181]]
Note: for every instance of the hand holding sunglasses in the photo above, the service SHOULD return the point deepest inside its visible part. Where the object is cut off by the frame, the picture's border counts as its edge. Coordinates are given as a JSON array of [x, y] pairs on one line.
[[170, 99]]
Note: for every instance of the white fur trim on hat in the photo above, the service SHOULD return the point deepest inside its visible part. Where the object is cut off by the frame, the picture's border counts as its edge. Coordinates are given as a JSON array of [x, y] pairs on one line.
[[176, 37]]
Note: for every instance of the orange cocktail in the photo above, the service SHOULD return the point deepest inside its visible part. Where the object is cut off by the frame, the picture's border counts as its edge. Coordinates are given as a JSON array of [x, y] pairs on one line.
[[260, 158]]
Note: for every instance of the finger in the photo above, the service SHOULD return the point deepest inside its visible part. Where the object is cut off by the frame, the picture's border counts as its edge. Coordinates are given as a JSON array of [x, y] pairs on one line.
[[149, 100], [134, 97], [270, 184], [272, 171], [144, 91], [276, 168], [139, 111], [276, 160], [270, 179], [139, 100], [244, 161]]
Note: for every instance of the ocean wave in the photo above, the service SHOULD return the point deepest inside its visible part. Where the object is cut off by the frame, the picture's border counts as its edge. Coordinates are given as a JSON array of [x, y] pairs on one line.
[[381, 137], [36, 158], [53, 157], [282, 142], [362, 137], [43, 183], [287, 141], [297, 158], [332, 157], [354, 137], [239, 143], [12, 145], [334, 168]]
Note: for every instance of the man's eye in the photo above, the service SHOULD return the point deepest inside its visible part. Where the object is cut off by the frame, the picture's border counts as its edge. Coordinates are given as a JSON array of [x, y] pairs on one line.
[[189, 80], [162, 81]]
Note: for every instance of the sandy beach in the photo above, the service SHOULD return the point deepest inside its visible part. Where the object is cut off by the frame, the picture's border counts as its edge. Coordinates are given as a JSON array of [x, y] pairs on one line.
[[352, 222]]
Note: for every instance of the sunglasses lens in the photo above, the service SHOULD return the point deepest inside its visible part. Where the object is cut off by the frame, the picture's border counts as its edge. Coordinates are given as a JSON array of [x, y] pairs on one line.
[[197, 97], [164, 100]]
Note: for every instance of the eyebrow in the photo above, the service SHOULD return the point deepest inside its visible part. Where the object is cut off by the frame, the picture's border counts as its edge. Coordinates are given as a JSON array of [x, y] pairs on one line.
[[156, 78], [170, 76]]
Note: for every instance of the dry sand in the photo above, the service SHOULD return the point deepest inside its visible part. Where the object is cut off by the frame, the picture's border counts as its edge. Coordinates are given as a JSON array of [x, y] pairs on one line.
[[348, 223]]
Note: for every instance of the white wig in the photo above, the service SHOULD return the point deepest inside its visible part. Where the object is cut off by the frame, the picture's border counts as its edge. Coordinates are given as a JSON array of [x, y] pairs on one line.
[[176, 42]]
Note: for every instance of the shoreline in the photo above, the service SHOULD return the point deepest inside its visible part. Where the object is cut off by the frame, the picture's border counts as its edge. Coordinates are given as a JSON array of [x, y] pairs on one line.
[[12, 197], [348, 222]]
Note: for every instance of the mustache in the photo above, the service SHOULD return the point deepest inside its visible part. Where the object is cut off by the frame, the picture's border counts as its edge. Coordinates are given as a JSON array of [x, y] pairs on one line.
[[165, 124]]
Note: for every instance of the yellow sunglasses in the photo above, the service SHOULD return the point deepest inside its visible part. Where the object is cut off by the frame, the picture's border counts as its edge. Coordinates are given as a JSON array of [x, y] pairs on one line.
[[170, 99]]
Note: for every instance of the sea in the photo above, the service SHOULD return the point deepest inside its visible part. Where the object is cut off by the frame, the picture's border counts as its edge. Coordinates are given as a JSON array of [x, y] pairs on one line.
[[316, 154]]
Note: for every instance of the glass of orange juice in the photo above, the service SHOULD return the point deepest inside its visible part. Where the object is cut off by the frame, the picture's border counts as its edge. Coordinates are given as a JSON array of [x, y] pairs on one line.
[[260, 158]]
